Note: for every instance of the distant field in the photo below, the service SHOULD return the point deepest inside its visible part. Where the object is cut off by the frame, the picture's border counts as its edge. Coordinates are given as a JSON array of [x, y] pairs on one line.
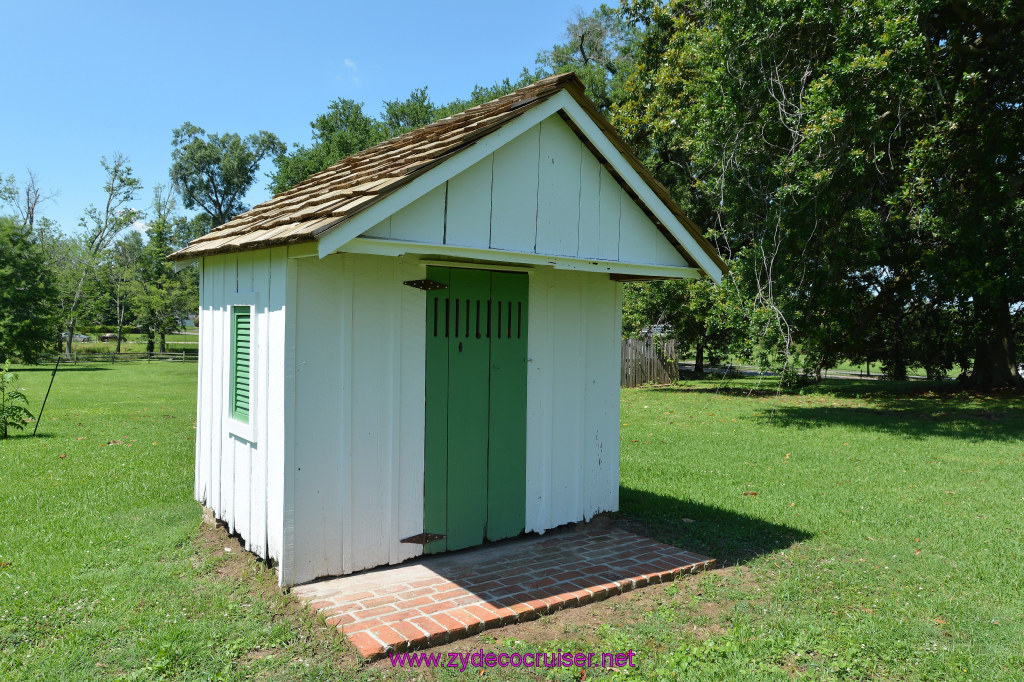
[[875, 368], [136, 343]]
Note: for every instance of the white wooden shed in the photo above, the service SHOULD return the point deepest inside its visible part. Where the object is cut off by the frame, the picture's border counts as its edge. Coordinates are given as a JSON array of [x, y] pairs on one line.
[[417, 349]]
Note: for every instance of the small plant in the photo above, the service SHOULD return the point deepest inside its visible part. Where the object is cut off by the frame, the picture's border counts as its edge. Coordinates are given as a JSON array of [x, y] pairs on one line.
[[13, 413]]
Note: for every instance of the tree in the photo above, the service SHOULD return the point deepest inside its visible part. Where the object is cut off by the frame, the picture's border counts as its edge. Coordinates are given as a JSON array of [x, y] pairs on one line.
[[596, 47], [401, 116], [965, 171], [160, 297], [863, 161], [342, 130], [698, 313], [8, 189], [213, 172], [26, 293], [485, 93], [121, 269], [102, 226], [25, 200], [345, 129], [77, 259]]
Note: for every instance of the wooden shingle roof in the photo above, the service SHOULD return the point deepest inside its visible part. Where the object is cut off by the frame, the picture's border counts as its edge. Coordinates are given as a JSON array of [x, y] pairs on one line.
[[329, 198]]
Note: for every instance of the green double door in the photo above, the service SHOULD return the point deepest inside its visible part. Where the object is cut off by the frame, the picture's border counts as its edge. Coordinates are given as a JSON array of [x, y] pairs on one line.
[[475, 430]]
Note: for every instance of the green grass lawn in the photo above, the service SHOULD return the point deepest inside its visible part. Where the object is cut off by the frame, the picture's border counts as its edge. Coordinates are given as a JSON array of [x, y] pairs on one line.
[[866, 534], [882, 530], [100, 575]]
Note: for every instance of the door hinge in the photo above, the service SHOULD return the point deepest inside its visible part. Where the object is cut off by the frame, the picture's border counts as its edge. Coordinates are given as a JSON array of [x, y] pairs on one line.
[[425, 284], [422, 539]]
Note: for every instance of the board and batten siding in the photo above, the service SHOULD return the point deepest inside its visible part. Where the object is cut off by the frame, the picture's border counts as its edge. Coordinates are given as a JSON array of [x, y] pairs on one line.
[[572, 424], [327, 477], [238, 465], [541, 193], [356, 456]]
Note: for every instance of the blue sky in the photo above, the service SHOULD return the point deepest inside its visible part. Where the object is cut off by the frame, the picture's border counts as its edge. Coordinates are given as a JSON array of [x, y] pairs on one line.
[[85, 80]]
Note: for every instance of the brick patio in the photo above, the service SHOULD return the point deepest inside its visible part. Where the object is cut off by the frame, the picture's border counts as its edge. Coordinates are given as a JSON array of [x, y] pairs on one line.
[[437, 599]]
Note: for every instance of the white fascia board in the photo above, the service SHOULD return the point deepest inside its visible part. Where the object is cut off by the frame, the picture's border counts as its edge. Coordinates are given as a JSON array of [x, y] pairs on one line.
[[388, 247], [614, 157], [363, 221]]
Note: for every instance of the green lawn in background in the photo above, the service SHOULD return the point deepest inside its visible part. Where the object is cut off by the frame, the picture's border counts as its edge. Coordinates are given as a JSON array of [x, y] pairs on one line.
[[844, 366], [136, 343], [869, 532]]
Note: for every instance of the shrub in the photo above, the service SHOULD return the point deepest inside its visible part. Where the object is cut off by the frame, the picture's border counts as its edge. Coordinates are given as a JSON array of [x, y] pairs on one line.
[[13, 410]]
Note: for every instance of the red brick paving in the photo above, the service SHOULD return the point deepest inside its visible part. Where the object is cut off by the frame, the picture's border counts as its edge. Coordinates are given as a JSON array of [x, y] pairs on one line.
[[444, 597]]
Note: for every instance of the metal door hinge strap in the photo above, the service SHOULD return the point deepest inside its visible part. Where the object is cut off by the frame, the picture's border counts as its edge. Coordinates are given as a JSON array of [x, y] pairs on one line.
[[425, 284], [422, 538]]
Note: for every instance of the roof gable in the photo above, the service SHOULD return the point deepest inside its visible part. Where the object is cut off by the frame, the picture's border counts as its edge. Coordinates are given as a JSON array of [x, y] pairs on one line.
[[541, 193], [352, 197]]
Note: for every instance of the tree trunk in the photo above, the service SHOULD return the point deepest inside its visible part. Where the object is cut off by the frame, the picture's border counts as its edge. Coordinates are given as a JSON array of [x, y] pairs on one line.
[[71, 333], [698, 365], [896, 368], [995, 356], [119, 326], [899, 370], [163, 342]]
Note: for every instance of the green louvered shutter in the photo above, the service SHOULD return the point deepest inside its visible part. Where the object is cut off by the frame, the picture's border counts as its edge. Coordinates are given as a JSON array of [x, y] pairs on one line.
[[241, 348]]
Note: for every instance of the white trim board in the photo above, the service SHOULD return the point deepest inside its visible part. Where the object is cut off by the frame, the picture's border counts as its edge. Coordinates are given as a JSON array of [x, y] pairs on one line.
[[387, 247]]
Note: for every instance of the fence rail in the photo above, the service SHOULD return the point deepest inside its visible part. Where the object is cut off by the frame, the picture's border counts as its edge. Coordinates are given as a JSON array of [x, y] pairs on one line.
[[647, 360], [113, 357]]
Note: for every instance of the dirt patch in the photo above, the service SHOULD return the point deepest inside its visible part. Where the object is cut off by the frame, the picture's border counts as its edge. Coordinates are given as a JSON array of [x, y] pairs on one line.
[[225, 552]]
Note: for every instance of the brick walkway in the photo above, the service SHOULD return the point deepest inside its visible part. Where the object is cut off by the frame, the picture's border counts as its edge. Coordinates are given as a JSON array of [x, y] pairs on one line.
[[440, 598]]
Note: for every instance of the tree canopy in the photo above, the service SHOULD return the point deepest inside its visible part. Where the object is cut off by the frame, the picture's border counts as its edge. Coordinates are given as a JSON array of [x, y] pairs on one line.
[[27, 291], [345, 128], [863, 162], [213, 172]]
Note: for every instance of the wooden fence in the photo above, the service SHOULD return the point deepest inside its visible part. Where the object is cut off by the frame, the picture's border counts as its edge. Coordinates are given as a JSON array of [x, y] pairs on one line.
[[648, 360], [112, 357]]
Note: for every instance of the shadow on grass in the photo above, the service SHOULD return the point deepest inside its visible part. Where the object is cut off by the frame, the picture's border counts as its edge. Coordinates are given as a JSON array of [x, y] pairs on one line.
[[769, 386], [911, 421], [915, 410], [41, 435], [725, 535]]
